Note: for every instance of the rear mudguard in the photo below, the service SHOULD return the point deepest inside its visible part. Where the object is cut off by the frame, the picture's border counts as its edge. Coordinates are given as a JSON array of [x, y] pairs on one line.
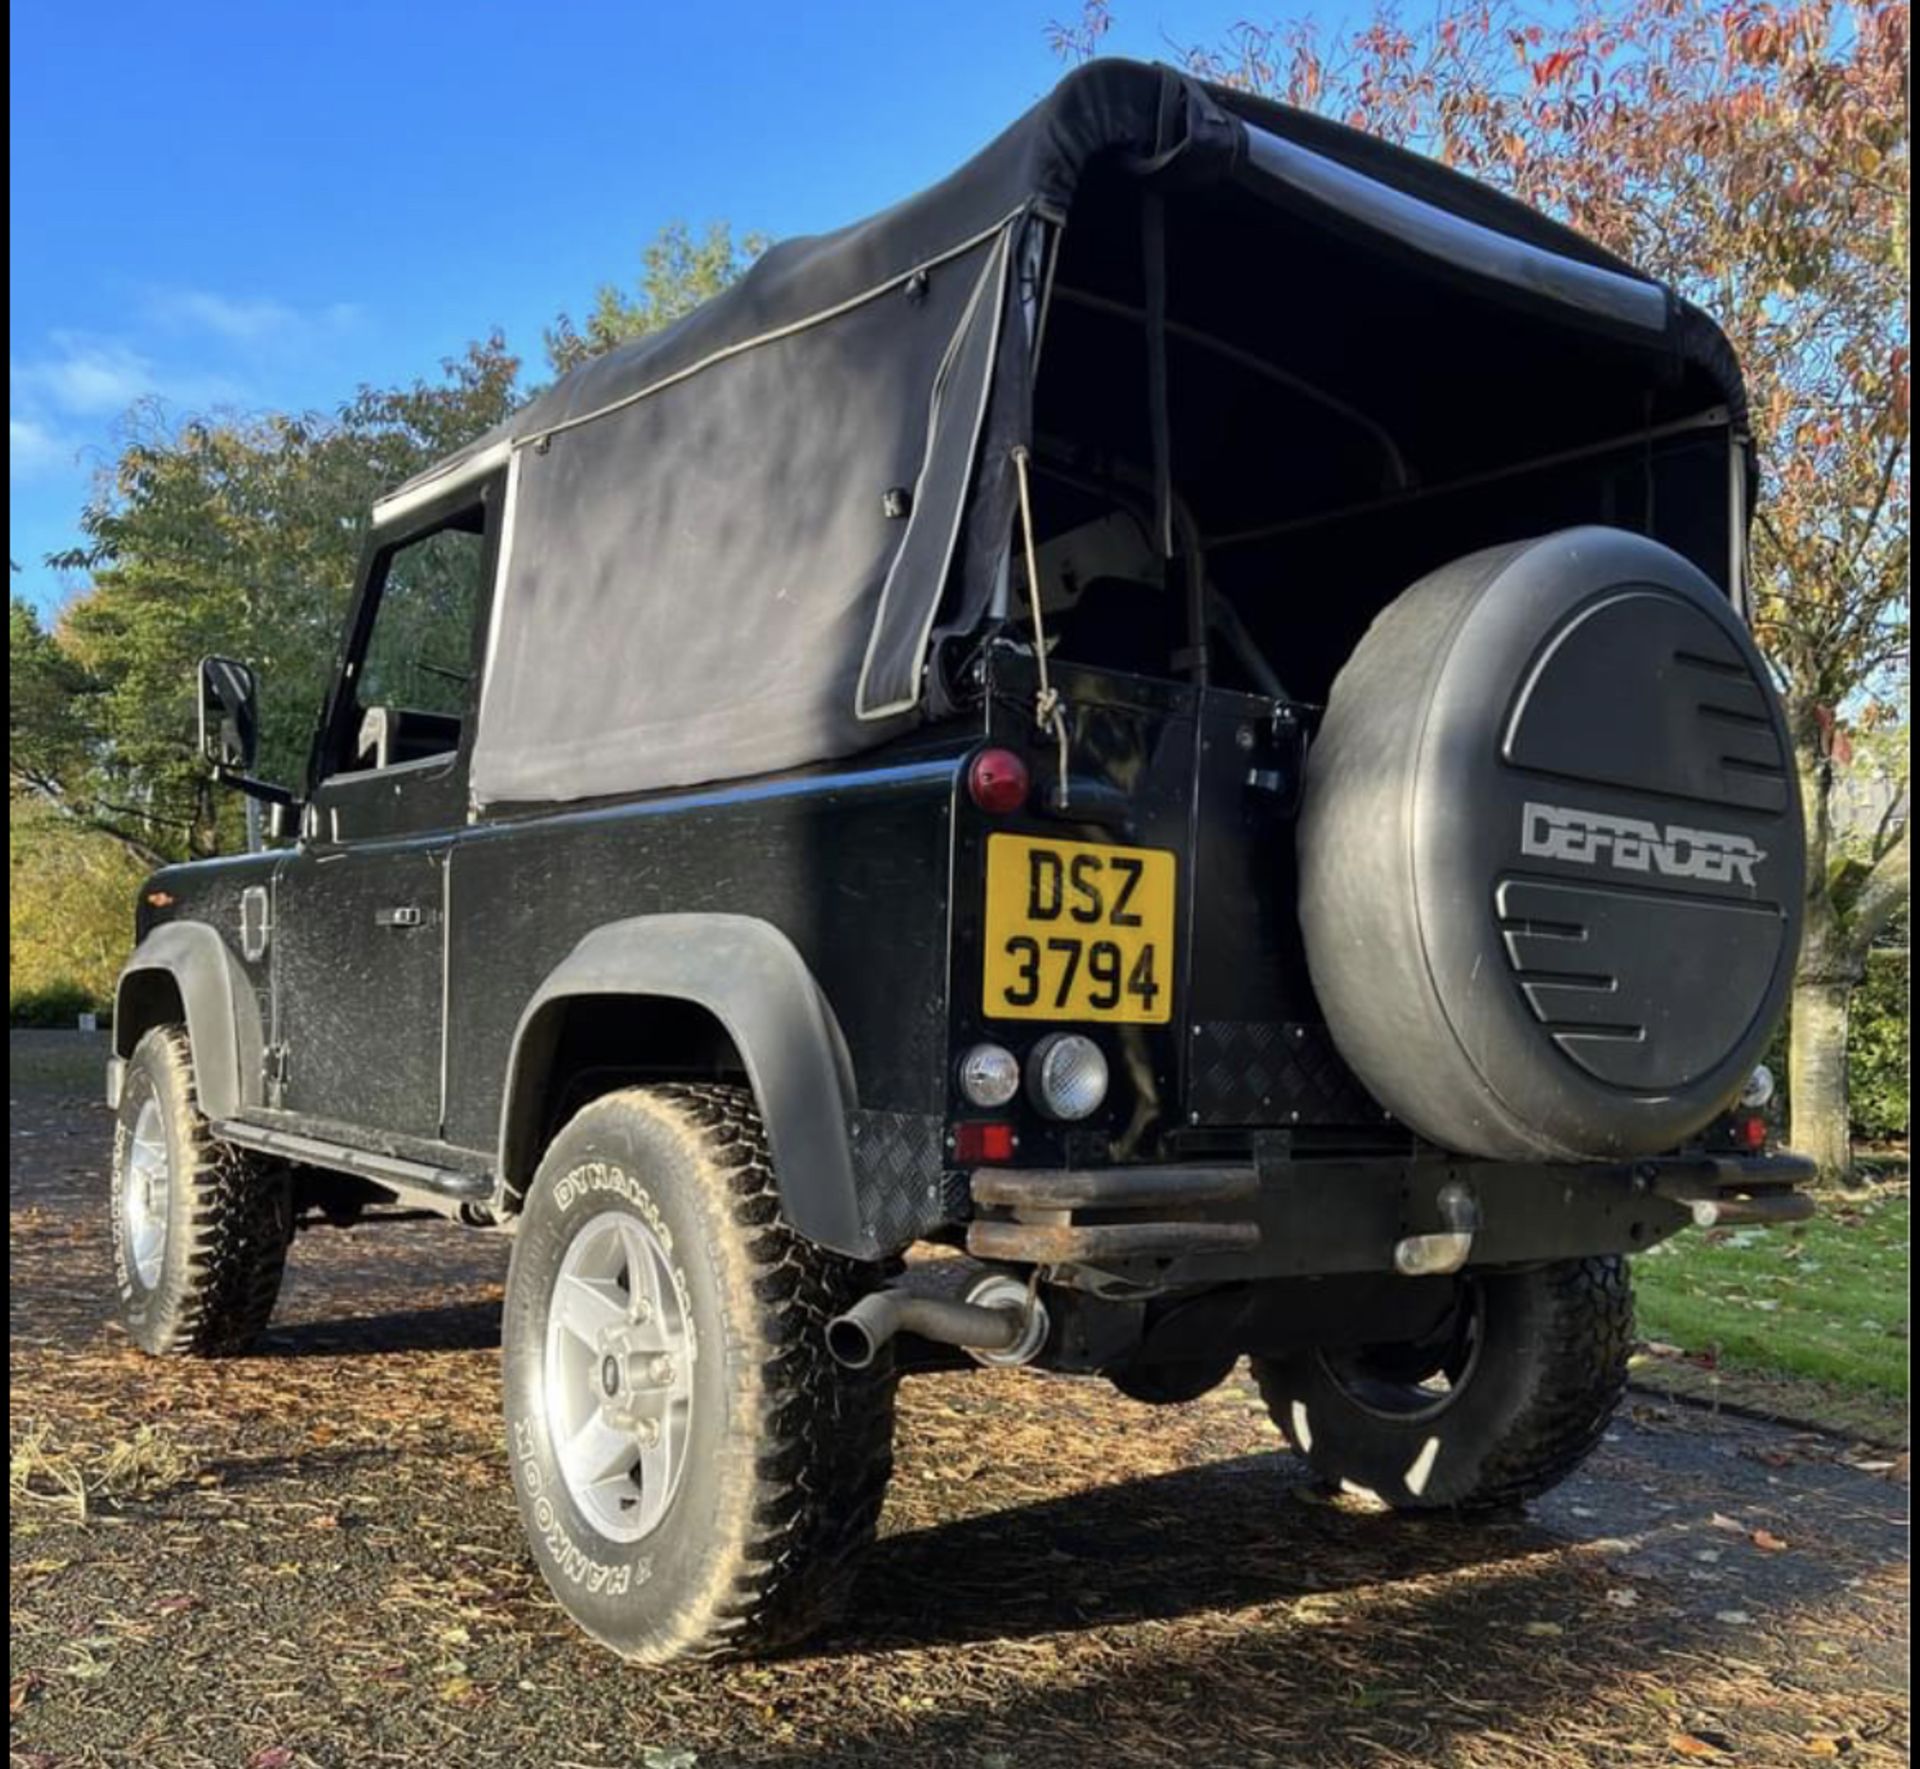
[[749, 976]]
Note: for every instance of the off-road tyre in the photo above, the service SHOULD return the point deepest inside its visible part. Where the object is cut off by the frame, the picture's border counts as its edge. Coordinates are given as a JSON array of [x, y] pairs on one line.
[[229, 1217], [791, 1453], [1549, 1371]]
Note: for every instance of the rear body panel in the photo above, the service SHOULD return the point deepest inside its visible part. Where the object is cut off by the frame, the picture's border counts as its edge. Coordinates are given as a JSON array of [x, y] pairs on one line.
[[1213, 778], [850, 865]]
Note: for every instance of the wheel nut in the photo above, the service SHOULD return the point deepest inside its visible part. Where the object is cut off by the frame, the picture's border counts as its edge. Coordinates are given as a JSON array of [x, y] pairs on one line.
[[649, 1432], [661, 1370]]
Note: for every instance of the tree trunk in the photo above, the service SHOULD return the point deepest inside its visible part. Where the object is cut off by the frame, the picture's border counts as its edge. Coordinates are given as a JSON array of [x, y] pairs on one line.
[[1818, 1076]]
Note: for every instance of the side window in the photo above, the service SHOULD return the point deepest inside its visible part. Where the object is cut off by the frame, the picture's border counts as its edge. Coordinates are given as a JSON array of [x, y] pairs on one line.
[[414, 685]]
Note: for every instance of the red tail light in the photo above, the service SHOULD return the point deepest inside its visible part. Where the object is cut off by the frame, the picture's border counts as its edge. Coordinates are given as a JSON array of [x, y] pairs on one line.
[[1751, 1133], [982, 1142], [997, 781]]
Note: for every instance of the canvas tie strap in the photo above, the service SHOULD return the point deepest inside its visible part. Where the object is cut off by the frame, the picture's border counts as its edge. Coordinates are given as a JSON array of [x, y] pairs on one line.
[[1048, 711]]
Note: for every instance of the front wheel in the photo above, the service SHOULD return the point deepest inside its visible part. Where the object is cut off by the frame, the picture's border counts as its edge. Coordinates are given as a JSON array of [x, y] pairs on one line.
[[1505, 1399], [200, 1228], [695, 1474]]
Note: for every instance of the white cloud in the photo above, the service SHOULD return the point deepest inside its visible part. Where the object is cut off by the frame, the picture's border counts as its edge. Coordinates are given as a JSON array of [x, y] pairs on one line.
[[33, 448], [178, 348], [86, 376], [249, 323], [242, 322]]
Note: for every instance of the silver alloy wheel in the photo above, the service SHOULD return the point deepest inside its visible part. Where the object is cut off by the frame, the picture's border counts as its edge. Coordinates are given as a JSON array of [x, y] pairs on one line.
[[619, 1375], [146, 1194]]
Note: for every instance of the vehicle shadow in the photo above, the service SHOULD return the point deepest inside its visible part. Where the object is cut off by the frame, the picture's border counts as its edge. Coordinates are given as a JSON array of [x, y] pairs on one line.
[[1252, 1530], [1228, 1615], [452, 1326]]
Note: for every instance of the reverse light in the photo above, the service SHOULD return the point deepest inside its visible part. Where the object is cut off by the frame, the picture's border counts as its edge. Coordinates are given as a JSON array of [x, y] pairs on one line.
[[1759, 1089], [997, 781], [989, 1075], [1067, 1076], [974, 1142]]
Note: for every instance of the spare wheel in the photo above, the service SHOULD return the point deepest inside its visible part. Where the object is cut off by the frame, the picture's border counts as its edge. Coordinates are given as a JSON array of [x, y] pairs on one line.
[[1551, 852]]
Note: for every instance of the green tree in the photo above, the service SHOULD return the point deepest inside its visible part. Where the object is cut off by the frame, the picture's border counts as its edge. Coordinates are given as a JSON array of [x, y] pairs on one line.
[[1755, 156], [235, 534], [230, 534], [69, 909], [677, 273]]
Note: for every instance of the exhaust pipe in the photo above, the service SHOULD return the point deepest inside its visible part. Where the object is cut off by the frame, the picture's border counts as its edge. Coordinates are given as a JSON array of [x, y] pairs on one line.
[[997, 1323]]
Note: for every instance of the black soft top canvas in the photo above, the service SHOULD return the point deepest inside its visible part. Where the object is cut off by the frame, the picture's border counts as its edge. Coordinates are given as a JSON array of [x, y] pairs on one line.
[[727, 546]]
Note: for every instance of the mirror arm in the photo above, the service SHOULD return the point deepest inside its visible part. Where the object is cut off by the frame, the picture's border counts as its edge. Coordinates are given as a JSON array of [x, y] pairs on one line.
[[263, 790]]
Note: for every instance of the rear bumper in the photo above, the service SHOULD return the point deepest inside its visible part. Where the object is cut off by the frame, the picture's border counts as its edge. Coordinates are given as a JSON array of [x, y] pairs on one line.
[[1179, 1226]]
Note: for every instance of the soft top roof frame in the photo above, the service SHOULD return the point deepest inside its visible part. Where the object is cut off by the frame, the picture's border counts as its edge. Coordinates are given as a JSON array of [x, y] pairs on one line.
[[637, 474], [1115, 106]]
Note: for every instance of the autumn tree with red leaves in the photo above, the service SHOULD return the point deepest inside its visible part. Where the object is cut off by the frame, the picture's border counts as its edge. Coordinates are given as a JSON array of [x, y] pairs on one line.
[[1755, 157]]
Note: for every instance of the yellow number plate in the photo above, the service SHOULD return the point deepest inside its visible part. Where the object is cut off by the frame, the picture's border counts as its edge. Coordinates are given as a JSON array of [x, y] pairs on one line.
[[1078, 931]]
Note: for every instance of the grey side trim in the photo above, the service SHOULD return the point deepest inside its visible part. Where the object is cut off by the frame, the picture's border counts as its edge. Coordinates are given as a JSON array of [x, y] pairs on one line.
[[1455, 240], [450, 476], [993, 273], [223, 1016], [749, 976], [787, 331], [1738, 589]]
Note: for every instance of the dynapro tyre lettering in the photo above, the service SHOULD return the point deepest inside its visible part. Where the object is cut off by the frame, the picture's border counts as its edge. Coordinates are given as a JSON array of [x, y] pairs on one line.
[[1550, 852]]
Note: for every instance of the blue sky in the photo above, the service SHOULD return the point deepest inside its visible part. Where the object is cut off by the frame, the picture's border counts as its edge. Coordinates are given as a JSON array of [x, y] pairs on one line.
[[261, 206]]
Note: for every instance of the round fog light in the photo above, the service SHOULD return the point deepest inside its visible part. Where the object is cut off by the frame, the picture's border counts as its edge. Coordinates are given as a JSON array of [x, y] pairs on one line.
[[989, 1075], [1067, 1075], [1758, 1090]]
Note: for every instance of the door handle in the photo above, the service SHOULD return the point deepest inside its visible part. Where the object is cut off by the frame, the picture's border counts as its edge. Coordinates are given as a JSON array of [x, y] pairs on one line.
[[400, 915]]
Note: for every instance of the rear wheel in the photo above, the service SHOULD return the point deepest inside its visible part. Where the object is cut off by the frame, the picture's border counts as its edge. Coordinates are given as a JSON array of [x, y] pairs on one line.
[[200, 1228], [1505, 1399], [695, 1474]]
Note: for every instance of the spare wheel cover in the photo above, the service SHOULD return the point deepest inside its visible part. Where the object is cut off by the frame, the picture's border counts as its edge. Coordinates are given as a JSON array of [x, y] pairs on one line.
[[1551, 852]]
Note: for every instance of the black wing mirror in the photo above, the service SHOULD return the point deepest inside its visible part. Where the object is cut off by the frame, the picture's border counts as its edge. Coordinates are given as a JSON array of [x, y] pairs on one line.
[[230, 738], [229, 715]]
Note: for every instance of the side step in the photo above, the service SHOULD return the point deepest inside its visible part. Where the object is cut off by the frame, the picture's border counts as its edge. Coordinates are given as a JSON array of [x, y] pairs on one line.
[[1043, 1230], [441, 1189]]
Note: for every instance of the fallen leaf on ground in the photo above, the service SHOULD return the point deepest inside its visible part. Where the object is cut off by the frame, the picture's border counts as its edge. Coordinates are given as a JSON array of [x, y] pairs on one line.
[[1765, 1539], [1687, 1744]]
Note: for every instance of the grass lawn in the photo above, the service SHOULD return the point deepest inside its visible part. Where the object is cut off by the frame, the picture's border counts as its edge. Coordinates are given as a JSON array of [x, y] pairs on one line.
[[60, 1063], [1808, 1319]]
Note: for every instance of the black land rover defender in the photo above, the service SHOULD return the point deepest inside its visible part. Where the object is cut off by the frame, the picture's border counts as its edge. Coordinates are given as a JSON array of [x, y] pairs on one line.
[[1169, 723]]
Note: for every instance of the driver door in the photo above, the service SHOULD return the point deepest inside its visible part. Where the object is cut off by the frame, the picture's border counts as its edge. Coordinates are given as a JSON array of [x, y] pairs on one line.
[[360, 906]]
